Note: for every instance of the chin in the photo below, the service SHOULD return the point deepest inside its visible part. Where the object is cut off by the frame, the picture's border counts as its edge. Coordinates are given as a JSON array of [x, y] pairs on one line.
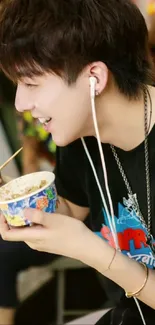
[[61, 141]]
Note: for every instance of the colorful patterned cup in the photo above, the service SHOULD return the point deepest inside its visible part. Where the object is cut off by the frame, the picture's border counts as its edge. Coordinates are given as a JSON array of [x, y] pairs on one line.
[[43, 198]]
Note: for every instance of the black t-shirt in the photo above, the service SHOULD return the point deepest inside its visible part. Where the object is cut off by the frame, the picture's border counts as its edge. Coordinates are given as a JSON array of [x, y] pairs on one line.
[[75, 181]]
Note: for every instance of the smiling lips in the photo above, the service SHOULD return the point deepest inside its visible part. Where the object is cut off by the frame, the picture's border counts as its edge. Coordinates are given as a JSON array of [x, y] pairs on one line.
[[44, 121]]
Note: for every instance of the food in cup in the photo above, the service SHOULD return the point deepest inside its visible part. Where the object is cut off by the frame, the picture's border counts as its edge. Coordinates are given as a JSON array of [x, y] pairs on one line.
[[27, 191]]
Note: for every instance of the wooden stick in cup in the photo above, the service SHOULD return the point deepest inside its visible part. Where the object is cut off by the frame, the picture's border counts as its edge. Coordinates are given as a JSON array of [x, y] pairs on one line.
[[13, 156]]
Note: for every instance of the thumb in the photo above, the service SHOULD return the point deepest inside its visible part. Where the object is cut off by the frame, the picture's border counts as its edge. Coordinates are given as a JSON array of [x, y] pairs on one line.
[[36, 216]]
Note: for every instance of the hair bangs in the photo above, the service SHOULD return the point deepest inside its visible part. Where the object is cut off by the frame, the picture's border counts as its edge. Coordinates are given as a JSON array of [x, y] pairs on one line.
[[18, 63]]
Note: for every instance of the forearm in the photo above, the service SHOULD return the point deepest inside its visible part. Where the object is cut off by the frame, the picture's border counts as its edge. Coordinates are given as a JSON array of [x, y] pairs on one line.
[[63, 207], [70, 209], [127, 273]]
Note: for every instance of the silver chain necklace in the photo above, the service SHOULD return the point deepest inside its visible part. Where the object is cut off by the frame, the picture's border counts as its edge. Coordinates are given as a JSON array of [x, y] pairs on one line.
[[147, 173]]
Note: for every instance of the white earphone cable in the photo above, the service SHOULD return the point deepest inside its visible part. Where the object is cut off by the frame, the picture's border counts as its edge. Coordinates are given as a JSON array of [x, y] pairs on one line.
[[98, 183], [111, 224], [104, 169], [140, 311]]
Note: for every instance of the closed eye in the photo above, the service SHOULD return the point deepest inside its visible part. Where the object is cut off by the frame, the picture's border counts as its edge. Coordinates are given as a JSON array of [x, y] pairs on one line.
[[30, 85]]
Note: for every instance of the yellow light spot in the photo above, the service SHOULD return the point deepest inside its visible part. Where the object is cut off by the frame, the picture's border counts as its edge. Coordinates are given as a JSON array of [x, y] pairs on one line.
[[151, 9]]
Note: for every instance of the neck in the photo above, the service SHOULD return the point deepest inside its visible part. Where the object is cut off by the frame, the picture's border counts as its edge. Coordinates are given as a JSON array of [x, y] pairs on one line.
[[121, 121]]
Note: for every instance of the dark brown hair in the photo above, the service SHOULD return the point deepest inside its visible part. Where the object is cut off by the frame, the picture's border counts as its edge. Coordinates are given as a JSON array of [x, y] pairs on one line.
[[63, 36]]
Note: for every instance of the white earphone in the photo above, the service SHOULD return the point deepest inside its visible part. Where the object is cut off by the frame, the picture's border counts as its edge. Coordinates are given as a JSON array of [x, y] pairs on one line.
[[110, 214], [93, 82]]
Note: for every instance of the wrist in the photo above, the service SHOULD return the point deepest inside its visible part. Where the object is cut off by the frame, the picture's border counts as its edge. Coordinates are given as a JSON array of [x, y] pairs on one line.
[[100, 256], [96, 252]]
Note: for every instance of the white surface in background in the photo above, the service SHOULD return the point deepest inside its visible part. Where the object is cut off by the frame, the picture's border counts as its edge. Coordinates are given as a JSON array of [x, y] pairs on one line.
[[31, 280], [90, 319], [5, 153]]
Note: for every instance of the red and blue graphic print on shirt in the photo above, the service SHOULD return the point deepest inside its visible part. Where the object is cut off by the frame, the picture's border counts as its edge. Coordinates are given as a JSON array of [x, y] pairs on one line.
[[132, 235]]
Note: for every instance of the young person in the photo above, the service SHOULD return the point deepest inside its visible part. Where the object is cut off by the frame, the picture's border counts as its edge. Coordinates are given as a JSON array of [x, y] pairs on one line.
[[84, 69]]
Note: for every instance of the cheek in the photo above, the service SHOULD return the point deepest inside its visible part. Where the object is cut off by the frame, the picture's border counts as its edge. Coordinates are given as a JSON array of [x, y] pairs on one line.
[[56, 102], [65, 103], [74, 112]]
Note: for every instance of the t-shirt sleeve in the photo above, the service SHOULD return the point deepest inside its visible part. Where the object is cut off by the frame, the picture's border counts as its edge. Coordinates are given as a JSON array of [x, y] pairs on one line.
[[70, 174]]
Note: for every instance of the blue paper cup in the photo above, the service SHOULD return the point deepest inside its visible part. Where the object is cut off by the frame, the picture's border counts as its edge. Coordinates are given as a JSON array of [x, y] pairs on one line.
[[35, 190]]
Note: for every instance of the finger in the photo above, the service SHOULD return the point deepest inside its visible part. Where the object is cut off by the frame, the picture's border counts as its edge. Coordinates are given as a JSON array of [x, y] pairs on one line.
[[27, 234], [37, 217], [3, 224]]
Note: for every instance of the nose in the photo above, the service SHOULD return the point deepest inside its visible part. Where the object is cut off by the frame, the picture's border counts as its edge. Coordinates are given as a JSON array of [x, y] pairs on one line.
[[22, 99]]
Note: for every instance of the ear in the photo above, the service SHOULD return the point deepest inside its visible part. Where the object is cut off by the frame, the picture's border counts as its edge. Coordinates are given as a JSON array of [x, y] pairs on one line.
[[100, 71]]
